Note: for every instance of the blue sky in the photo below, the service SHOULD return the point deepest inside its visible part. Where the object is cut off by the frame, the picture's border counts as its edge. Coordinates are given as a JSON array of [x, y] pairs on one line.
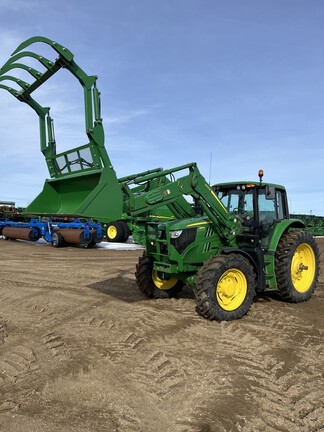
[[236, 83]]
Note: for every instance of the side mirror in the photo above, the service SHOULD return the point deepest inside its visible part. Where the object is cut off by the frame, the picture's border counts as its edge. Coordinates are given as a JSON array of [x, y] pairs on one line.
[[270, 192]]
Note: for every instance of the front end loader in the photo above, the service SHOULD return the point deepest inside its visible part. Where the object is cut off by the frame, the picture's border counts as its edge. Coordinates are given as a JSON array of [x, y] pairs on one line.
[[235, 241]]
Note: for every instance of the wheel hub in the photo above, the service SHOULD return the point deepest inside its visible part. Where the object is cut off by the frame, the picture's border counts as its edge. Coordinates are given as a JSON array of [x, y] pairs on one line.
[[112, 232], [163, 284], [231, 289], [303, 267]]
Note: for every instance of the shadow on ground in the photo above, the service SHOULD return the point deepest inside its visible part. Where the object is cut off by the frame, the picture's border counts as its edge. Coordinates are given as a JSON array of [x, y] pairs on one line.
[[122, 287]]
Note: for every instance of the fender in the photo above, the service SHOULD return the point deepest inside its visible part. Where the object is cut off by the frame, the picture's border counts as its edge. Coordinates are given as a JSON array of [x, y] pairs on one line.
[[280, 228], [256, 258]]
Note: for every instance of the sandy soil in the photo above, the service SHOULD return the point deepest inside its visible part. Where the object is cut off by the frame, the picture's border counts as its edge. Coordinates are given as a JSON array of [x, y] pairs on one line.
[[81, 349]]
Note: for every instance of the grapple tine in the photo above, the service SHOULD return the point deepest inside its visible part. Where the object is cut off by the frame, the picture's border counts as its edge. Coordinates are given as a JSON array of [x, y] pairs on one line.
[[43, 60], [41, 111], [60, 49], [23, 84], [65, 59], [11, 90], [35, 73]]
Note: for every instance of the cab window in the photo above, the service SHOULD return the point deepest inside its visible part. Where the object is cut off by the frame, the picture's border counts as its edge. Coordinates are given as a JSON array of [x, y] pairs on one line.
[[237, 201], [267, 208], [270, 209]]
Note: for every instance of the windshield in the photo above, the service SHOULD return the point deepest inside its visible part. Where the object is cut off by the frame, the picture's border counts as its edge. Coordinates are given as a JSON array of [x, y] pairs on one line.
[[237, 201]]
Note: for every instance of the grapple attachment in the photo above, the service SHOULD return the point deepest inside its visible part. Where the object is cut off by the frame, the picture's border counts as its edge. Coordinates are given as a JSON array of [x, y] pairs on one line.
[[82, 182]]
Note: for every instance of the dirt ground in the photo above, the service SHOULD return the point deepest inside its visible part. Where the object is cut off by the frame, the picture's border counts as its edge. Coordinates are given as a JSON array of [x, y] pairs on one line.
[[81, 349]]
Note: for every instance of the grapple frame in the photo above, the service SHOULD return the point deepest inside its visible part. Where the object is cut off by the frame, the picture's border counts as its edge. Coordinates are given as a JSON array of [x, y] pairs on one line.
[[83, 181]]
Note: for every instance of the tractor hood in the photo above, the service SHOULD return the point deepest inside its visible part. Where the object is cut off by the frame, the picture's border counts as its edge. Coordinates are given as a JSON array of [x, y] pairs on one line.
[[181, 224]]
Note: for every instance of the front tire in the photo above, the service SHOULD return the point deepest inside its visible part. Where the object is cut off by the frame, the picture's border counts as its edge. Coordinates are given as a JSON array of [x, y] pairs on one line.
[[297, 266], [225, 287], [149, 282]]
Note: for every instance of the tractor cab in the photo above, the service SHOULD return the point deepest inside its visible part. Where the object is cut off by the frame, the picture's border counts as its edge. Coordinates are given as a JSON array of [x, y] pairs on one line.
[[258, 206]]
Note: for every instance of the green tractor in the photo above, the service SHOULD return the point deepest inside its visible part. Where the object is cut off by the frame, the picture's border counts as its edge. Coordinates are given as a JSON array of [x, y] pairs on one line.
[[235, 240]]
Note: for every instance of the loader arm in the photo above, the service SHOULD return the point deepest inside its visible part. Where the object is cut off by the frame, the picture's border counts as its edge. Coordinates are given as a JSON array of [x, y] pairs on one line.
[[158, 190]]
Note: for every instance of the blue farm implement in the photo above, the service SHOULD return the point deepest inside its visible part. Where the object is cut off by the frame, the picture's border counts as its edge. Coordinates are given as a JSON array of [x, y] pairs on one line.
[[55, 233]]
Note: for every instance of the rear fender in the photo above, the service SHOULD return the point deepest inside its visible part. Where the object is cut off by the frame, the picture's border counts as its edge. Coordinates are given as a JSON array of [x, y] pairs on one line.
[[279, 230]]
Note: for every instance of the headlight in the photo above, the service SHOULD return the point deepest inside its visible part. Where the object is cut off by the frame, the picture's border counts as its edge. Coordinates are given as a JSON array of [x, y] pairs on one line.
[[181, 239], [175, 234]]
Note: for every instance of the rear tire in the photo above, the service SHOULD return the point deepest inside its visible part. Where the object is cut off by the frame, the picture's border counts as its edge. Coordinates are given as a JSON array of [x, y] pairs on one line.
[[116, 232], [127, 232], [149, 282], [225, 287], [297, 266]]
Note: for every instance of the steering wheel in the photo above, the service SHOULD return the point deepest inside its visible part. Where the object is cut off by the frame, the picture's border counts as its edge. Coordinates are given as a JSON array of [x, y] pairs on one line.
[[242, 215]]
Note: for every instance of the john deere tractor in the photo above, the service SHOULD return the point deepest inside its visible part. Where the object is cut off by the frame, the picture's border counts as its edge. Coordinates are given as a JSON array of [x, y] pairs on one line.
[[235, 240]]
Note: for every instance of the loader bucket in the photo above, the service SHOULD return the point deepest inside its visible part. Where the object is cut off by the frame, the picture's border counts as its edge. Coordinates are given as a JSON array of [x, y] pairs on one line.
[[93, 194]]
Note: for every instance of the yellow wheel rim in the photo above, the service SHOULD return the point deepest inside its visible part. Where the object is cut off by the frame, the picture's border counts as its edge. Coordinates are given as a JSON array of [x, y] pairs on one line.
[[163, 284], [303, 267], [112, 232], [231, 289]]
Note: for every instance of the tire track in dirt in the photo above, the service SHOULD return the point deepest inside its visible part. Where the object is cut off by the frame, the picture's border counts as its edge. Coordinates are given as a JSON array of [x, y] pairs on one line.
[[56, 345], [271, 394], [160, 374], [157, 372], [3, 330], [57, 351], [107, 358], [17, 362], [121, 345], [69, 362]]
